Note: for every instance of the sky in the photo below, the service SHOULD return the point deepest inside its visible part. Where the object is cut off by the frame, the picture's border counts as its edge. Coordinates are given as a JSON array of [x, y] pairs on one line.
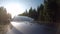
[[15, 7]]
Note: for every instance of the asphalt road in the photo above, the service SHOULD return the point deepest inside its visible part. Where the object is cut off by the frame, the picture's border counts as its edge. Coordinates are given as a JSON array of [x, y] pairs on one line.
[[30, 28], [23, 25]]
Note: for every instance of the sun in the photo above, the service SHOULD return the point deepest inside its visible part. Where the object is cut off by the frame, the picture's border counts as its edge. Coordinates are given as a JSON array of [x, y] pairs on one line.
[[14, 9]]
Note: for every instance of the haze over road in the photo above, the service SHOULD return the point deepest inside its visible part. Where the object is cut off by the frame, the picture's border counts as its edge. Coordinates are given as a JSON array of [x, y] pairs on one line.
[[26, 27]]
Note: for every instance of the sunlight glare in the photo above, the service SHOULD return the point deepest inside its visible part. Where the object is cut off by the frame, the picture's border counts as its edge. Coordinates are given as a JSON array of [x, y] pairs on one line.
[[14, 23], [14, 9]]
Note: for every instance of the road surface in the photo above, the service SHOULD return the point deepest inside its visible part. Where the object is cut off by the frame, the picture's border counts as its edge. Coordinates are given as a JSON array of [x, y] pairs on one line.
[[30, 28], [26, 27]]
